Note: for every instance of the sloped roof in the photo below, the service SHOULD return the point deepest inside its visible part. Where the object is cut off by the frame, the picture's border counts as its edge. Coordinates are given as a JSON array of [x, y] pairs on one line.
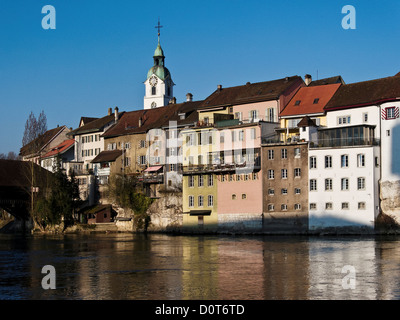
[[250, 92], [189, 109], [95, 125], [86, 120], [306, 122], [150, 119], [331, 80], [40, 142], [61, 148], [107, 156], [15, 173], [365, 93], [308, 103]]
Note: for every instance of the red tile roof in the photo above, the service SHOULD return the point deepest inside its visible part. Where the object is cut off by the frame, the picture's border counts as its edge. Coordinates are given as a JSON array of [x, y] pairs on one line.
[[61, 148], [41, 142], [365, 93], [304, 101]]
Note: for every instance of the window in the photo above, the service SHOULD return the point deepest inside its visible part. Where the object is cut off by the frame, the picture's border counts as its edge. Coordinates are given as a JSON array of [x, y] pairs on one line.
[[328, 184], [222, 137], [284, 207], [316, 100], [345, 205], [253, 115], [191, 201], [284, 191], [142, 160], [284, 153], [271, 192], [270, 115], [223, 178], [271, 174], [297, 172], [244, 196], [231, 177], [297, 152], [328, 161], [191, 181], [313, 162], [210, 180], [253, 133], [391, 113], [210, 200], [270, 154], [360, 183], [361, 206], [328, 206], [388, 133], [297, 103], [361, 160], [238, 177], [254, 176], [313, 185], [313, 206], [344, 120], [270, 207], [142, 144], [238, 115], [365, 117], [344, 161], [345, 184], [284, 173], [297, 190], [241, 135], [201, 201], [234, 197], [297, 206], [201, 181]]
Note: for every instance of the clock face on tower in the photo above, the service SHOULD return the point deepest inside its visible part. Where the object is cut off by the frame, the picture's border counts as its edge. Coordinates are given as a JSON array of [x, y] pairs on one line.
[[153, 81], [153, 105]]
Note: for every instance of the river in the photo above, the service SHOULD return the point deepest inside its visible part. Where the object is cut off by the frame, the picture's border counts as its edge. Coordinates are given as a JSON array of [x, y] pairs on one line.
[[124, 266]]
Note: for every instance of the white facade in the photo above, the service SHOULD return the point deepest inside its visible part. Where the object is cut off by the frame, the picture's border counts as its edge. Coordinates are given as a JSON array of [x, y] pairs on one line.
[[343, 187], [158, 93]]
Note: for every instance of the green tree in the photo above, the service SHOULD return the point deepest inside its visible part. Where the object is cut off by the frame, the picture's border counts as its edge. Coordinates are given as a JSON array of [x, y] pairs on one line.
[[58, 202]]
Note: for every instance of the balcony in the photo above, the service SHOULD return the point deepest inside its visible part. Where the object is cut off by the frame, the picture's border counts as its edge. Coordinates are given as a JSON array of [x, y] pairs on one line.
[[344, 142], [222, 168], [103, 172], [152, 178]]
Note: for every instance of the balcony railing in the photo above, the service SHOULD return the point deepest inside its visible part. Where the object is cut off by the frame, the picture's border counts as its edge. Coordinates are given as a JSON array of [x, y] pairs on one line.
[[344, 142], [219, 168], [152, 178]]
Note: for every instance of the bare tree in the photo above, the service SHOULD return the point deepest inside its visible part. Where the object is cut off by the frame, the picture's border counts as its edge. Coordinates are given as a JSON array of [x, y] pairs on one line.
[[34, 128]]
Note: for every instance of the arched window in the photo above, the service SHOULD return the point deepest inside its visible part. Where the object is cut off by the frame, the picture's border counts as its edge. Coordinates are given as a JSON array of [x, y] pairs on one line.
[[153, 91]]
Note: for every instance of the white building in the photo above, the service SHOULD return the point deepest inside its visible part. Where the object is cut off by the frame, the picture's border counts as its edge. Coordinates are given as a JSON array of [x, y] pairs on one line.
[[158, 84]]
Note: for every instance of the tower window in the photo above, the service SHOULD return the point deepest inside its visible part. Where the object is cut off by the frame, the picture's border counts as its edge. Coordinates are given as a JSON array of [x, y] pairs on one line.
[[169, 91], [153, 91]]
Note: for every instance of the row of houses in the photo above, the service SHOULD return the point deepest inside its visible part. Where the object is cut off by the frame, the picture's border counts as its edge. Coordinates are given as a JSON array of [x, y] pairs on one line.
[[290, 154]]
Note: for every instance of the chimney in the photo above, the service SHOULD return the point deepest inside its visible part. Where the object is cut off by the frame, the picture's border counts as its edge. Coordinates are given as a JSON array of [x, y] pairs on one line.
[[189, 97], [219, 87], [140, 122], [109, 111], [116, 114], [172, 101], [307, 79]]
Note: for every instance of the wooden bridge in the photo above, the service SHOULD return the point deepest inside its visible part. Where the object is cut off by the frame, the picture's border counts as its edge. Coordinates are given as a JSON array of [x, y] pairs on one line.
[[16, 186]]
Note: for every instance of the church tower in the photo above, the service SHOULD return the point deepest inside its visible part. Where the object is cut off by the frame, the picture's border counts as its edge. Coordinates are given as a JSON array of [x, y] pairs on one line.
[[159, 84]]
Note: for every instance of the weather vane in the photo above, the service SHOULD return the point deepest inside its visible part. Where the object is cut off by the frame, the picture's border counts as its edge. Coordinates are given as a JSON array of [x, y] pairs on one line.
[[158, 26]]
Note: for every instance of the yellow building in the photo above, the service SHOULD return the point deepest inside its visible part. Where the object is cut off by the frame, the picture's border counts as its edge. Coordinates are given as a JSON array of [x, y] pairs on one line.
[[199, 185]]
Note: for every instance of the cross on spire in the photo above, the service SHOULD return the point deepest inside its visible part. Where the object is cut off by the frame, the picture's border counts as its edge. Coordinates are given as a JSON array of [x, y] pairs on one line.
[[158, 26]]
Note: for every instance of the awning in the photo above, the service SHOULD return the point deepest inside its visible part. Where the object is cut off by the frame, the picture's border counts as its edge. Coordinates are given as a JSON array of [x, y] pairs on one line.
[[200, 212], [153, 169]]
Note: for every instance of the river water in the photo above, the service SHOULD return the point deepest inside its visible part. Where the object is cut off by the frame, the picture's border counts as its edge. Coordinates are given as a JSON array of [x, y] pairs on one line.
[[123, 266]]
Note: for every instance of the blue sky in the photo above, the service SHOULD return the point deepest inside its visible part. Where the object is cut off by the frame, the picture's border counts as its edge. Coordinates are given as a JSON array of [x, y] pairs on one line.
[[99, 54]]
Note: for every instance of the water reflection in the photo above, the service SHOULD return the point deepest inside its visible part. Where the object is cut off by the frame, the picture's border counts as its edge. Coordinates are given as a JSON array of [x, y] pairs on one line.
[[127, 266]]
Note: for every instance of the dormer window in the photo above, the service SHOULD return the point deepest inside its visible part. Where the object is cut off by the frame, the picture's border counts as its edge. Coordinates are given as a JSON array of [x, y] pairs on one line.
[[316, 100], [297, 103]]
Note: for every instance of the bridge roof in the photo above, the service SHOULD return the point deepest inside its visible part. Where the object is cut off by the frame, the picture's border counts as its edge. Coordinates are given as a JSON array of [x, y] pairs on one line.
[[14, 173]]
